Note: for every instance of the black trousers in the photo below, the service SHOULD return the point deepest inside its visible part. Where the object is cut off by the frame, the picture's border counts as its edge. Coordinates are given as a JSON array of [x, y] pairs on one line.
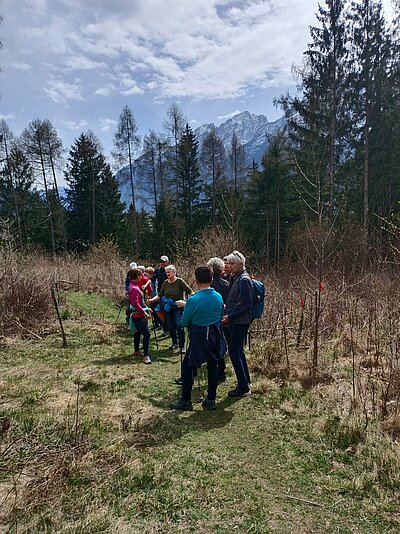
[[189, 373]]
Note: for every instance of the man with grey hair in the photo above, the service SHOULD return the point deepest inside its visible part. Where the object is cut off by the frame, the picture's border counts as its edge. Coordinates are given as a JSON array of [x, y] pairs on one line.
[[237, 319], [220, 284]]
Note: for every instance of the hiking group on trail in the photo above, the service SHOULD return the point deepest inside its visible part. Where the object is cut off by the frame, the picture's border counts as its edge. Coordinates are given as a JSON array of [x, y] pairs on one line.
[[217, 317]]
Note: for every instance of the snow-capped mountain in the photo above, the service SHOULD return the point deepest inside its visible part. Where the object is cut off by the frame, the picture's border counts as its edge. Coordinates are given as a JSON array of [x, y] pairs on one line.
[[253, 131]]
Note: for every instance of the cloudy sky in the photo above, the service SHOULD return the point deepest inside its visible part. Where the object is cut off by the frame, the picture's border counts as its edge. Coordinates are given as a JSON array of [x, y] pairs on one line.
[[78, 62]]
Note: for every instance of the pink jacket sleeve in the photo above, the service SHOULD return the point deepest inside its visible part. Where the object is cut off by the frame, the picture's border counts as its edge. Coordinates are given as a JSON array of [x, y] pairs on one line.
[[135, 299]]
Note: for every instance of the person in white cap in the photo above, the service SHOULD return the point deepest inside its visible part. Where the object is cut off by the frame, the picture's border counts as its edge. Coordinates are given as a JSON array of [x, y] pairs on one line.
[[132, 266]]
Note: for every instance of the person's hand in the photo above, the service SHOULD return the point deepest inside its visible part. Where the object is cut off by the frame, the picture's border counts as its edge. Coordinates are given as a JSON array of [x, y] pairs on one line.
[[225, 319], [147, 315], [180, 303]]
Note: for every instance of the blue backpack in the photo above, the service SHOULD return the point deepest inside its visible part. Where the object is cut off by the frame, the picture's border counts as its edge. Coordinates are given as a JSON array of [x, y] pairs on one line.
[[258, 299]]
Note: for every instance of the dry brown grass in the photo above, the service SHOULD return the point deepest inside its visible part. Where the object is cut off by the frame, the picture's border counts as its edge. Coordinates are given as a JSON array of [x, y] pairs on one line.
[[359, 323]]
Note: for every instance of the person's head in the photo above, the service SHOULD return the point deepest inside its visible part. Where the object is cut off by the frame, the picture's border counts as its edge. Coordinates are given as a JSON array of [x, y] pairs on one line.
[[203, 275], [135, 274], [227, 267], [142, 268], [149, 271], [164, 261], [170, 271], [236, 261], [216, 264], [132, 265]]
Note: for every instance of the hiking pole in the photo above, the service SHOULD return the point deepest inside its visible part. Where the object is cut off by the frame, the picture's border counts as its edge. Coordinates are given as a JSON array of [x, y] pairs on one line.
[[154, 330], [119, 311], [199, 387]]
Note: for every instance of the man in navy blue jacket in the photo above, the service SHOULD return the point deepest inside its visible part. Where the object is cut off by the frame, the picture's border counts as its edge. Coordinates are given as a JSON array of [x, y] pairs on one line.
[[237, 319], [202, 315]]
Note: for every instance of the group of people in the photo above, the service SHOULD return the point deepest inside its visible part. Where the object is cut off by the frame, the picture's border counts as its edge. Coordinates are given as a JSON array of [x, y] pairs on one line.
[[217, 317]]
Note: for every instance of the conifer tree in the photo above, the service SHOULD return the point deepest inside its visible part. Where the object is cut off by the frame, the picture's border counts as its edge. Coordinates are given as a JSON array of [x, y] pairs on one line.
[[16, 192], [93, 198], [34, 143], [318, 119], [212, 164], [6, 143], [370, 57], [175, 126], [269, 203], [126, 143], [189, 181]]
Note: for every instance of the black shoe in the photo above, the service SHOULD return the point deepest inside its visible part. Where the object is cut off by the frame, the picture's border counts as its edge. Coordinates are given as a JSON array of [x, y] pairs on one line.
[[178, 381], [180, 404], [221, 379], [209, 404], [239, 392]]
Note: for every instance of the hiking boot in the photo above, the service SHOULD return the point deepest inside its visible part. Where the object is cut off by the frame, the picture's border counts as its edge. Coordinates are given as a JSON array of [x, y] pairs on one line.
[[174, 346], [147, 359], [182, 351], [180, 404], [239, 392], [178, 381], [209, 404], [221, 379]]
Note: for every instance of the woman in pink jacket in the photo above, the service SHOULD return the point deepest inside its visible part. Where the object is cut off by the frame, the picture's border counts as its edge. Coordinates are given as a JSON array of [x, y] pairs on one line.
[[139, 315]]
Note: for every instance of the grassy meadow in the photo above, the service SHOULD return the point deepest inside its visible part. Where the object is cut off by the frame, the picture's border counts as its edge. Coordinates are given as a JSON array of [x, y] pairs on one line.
[[88, 443]]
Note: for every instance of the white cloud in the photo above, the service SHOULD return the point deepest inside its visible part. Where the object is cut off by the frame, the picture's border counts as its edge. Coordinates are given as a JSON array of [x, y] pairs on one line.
[[7, 117], [105, 90], [21, 66], [81, 62], [107, 124], [62, 92], [72, 125]]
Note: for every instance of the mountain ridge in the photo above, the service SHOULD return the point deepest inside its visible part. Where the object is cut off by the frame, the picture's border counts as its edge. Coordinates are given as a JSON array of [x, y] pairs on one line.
[[253, 131]]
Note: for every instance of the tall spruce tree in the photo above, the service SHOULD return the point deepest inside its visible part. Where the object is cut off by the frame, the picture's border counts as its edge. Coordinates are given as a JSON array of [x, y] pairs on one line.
[[318, 119], [269, 203], [16, 193], [93, 198], [189, 182], [370, 65], [6, 144]]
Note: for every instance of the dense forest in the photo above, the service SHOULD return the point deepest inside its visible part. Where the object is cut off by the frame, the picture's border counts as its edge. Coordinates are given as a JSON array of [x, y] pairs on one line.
[[328, 184]]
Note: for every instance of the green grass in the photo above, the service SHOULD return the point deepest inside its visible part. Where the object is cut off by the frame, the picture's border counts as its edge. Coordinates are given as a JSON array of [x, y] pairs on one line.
[[89, 445]]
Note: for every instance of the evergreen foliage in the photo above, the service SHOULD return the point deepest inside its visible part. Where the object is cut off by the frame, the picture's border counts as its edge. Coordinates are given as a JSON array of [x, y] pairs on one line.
[[93, 198], [335, 171]]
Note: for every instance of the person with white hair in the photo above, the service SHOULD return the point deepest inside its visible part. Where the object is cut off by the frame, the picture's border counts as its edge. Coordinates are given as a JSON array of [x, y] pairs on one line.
[[170, 296], [132, 265], [237, 320]]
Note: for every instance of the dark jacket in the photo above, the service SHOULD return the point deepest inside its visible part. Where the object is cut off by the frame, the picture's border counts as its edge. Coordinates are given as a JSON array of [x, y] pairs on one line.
[[221, 285], [239, 301], [206, 342], [159, 277]]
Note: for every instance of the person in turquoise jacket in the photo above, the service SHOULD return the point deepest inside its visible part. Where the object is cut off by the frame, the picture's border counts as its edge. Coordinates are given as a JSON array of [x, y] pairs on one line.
[[202, 315]]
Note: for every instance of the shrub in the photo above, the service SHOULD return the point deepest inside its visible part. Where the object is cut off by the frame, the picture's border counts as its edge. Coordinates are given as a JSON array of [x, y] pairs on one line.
[[24, 302]]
